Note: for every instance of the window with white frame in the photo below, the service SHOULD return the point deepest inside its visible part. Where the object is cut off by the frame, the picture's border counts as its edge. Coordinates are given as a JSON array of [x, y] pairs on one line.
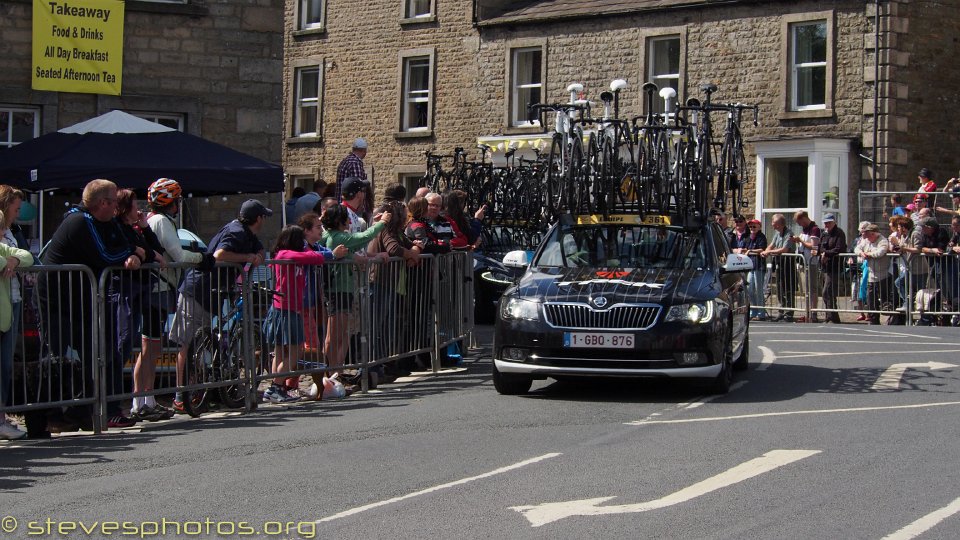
[[311, 14], [526, 76], [17, 125], [417, 94], [418, 9], [172, 121], [307, 100], [663, 65], [795, 175], [808, 66]]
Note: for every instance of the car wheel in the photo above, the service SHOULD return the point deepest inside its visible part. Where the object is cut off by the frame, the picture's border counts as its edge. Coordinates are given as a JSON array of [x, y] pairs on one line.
[[721, 385], [742, 361], [509, 384]]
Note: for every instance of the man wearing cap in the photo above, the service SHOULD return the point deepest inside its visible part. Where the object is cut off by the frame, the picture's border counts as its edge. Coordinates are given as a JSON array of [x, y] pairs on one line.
[[808, 243], [201, 290], [927, 185], [833, 242], [919, 203], [354, 195], [873, 249], [352, 165]]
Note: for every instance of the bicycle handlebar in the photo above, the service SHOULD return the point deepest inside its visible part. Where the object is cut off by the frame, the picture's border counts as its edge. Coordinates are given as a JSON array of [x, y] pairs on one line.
[[536, 110]]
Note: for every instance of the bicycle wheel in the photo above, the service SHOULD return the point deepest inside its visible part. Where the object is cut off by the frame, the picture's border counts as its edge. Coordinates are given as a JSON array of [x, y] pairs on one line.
[[554, 178], [232, 367], [200, 357], [577, 185]]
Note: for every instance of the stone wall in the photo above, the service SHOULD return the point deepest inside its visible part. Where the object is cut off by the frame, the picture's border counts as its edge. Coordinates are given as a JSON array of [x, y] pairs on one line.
[[924, 42], [219, 62], [738, 48]]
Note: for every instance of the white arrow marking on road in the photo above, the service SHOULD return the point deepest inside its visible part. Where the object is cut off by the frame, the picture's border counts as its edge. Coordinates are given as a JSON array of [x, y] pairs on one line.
[[543, 514], [800, 354], [890, 379], [768, 357], [455, 483]]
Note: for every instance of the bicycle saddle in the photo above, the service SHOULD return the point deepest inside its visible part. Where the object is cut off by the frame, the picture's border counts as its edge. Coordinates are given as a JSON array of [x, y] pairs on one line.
[[618, 84], [606, 97], [708, 88], [668, 93], [575, 87]]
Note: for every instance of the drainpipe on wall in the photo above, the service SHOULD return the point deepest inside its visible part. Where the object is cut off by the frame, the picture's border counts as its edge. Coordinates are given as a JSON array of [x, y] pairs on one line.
[[876, 92]]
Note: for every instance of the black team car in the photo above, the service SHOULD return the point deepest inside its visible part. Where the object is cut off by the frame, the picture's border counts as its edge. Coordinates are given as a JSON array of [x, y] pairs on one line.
[[625, 297]]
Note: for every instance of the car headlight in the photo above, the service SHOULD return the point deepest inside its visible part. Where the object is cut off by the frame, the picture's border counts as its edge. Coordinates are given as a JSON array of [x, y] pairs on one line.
[[497, 278], [698, 312], [518, 308]]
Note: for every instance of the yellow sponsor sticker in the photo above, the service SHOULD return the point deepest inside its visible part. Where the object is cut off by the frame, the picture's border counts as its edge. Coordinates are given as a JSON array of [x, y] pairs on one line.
[[623, 219]]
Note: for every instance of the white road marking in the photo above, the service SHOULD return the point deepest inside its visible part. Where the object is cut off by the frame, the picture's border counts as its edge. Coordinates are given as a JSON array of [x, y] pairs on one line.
[[542, 514], [803, 354], [768, 358], [890, 378], [460, 482], [701, 402], [890, 333], [868, 342], [925, 523], [789, 413]]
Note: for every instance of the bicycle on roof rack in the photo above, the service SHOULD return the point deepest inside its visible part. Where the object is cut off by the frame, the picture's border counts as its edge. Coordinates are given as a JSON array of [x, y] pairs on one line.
[[566, 170]]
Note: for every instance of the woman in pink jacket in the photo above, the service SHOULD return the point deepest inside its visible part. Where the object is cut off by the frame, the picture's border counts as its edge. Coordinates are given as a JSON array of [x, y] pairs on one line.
[[283, 325]]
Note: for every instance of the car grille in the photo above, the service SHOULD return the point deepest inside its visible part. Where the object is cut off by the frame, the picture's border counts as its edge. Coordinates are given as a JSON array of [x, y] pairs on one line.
[[618, 317]]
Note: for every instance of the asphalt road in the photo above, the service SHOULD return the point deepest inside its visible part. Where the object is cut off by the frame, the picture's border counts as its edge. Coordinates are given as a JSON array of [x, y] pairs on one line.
[[827, 435]]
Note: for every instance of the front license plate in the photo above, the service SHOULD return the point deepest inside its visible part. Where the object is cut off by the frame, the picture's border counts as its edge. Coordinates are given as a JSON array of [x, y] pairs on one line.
[[596, 340]]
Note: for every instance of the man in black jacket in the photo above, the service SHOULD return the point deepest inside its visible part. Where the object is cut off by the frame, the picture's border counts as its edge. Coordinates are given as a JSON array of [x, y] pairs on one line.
[[89, 235], [833, 242]]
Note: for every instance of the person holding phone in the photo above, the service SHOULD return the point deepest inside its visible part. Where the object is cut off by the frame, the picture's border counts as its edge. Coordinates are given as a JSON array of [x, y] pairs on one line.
[[808, 243]]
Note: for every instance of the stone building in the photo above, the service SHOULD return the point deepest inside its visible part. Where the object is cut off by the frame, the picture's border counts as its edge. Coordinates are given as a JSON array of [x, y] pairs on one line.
[[211, 68], [853, 96]]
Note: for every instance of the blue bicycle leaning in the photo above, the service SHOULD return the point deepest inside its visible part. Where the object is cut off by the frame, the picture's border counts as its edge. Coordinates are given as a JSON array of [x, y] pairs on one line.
[[215, 359]]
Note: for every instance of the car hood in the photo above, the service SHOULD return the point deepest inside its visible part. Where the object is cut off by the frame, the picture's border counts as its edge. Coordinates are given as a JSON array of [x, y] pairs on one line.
[[660, 286]]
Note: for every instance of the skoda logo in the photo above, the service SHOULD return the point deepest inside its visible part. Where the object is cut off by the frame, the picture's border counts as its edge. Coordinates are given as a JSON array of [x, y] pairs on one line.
[[600, 301]]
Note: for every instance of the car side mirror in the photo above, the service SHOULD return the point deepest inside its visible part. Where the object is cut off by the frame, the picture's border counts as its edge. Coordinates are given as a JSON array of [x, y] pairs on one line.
[[516, 260], [737, 262]]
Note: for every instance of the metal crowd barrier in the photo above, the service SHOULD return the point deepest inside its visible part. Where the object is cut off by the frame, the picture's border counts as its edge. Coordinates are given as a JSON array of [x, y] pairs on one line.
[[929, 294], [82, 337], [54, 361]]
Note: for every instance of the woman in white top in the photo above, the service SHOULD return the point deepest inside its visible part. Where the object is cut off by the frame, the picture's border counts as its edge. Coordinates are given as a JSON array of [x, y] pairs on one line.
[[10, 296], [163, 197]]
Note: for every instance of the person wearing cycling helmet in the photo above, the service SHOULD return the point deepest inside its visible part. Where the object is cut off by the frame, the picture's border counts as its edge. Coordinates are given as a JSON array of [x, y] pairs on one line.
[[163, 197]]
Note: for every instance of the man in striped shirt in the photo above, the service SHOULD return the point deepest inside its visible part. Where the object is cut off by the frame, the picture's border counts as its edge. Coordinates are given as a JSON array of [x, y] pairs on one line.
[[352, 165]]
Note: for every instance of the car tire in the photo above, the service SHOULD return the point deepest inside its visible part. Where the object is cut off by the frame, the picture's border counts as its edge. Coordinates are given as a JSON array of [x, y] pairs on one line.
[[721, 385], [509, 384], [743, 361]]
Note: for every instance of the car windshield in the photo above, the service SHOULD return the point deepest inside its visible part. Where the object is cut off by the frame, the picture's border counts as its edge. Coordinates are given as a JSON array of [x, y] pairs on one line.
[[622, 246]]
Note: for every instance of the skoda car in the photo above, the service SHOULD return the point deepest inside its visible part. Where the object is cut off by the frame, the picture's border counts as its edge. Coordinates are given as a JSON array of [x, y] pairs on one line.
[[625, 298]]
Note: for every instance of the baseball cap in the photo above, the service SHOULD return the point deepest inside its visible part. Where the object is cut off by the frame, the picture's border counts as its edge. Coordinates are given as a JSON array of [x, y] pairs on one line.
[[929, 222], [251, 209], [829, 217], [871, 228], [360, 143], [753, 222], [351, 186]]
